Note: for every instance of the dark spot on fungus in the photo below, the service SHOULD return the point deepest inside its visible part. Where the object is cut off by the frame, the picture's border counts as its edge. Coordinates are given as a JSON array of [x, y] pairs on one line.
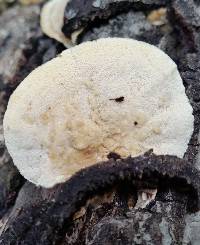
[[119, 99], [113, 155], [135, 123]]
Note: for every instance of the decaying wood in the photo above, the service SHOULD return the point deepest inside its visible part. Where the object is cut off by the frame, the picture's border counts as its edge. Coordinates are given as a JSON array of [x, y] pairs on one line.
[[81, 14], [97, 206], [99, 202], [23, 47]]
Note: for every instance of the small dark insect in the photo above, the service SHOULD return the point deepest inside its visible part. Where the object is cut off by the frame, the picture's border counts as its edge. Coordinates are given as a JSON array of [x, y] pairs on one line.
[[135, 123], [119, 99]]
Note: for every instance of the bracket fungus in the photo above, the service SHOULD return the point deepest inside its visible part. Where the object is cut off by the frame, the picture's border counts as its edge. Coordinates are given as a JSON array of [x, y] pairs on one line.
[[112, 95], [52, 20]]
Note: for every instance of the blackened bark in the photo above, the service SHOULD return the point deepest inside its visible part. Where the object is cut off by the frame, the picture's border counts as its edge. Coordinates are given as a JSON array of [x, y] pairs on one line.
[[81, 14], [97, 206], [56, 216]]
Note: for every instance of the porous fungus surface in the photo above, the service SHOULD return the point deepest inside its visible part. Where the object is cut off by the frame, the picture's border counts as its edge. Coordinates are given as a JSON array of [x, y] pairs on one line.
[[110, 95]]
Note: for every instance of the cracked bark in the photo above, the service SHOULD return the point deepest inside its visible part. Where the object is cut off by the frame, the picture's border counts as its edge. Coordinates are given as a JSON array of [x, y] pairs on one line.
[[97, 206], [72, 213], [81, 14], [23, 48]]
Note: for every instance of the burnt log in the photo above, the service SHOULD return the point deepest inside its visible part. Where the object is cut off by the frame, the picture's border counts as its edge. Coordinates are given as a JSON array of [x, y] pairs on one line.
[[83, 14], [97, 205]]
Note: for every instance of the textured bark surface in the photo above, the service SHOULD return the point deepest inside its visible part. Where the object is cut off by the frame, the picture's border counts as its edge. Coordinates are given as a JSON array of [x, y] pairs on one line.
[[73, 212], [22, 48], [97, 206], [81, 14]]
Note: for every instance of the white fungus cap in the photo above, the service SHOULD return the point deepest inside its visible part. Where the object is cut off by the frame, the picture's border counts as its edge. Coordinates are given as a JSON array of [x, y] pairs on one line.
[[52, 20], [110, 95]]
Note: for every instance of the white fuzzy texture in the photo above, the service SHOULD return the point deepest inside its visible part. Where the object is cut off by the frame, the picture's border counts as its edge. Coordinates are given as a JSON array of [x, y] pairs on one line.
[[63, 116]]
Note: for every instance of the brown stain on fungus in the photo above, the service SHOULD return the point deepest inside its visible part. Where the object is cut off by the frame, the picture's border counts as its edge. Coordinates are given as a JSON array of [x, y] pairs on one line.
[[157, 130], [44, 118], [28, 119]]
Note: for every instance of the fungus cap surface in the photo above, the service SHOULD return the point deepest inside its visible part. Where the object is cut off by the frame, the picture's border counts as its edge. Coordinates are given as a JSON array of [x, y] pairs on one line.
[[110, 95]]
